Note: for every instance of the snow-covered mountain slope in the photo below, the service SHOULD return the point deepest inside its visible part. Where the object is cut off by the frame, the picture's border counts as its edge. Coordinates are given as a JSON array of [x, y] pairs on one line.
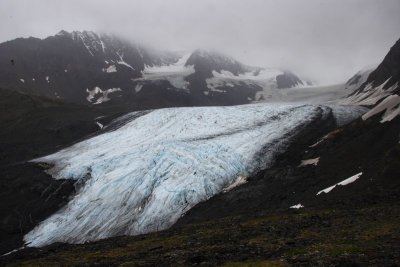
[[370, 95], [381, 82], [82, 66], [218, 75], [359, 78], [147, 169]]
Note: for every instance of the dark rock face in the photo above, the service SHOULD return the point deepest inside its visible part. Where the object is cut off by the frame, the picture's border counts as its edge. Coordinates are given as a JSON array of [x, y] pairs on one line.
[[288, 80], [205, 62], [354, 80], [359, 78], [389, 68]]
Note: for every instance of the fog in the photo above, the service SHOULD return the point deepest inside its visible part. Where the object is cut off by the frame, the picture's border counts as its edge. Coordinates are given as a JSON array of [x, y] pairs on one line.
[[323, 40]]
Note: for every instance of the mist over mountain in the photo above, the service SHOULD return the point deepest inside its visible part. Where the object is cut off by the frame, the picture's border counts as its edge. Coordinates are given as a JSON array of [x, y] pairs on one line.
[[314, 39]]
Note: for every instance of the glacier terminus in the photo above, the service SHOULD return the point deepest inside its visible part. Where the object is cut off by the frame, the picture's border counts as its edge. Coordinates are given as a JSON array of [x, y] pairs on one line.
[[146, 169]]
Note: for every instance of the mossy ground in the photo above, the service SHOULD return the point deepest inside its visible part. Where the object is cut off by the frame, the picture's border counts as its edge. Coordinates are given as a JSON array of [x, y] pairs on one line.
[[335, 237]]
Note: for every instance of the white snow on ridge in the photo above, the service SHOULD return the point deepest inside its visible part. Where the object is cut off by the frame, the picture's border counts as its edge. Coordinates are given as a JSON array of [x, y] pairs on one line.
[[175, 73], [344, 182], [144, 175]]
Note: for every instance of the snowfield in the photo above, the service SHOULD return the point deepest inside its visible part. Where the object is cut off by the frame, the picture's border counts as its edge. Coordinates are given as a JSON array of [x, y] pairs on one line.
[[174, 73], [148, 168]]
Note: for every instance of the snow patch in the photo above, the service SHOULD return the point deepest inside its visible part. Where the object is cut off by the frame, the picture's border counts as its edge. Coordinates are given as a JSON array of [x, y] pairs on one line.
[[101, 126], [138, 88], [309, 162], [111, 68], [122, 62], [392, 106], [175, 73], [47, 79], [239, 181], [298, 206], [22, 80], [326, 137], [125, 64], [102, 96], [103, 47], [369, 95], [344, 182]]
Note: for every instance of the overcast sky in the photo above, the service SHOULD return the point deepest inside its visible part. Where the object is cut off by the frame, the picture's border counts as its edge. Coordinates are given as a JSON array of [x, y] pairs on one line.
[[323, 40]]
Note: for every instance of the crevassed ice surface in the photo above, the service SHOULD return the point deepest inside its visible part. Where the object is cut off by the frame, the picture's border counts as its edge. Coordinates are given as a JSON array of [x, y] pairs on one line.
[[144, 175]]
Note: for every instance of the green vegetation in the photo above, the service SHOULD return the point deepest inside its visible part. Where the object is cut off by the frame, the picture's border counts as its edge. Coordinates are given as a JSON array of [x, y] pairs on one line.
[[314, 237]]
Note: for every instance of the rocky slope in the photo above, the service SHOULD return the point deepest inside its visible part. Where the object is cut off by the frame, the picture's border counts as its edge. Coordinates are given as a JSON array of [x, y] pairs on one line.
[[381, 82], [358, 79]]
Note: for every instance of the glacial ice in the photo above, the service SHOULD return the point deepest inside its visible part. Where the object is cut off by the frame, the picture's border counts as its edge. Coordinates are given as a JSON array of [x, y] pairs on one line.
[[148, 168], [266, 79], [175, 73]]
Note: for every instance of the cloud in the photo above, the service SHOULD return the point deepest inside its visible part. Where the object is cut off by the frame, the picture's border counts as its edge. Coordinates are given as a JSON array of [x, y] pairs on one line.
[[324, 40]]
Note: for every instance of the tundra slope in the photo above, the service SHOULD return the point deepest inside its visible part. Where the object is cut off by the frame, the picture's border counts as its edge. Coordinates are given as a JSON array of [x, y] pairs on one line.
[[145, 175]]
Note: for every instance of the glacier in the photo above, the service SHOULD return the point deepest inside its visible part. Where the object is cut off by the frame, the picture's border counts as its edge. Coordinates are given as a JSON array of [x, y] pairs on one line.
[[146, 169]]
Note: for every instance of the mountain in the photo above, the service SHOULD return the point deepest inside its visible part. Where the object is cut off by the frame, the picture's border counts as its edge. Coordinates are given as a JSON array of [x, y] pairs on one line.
[[89, 68], [381, 89], [359, 78], [381, 82]]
